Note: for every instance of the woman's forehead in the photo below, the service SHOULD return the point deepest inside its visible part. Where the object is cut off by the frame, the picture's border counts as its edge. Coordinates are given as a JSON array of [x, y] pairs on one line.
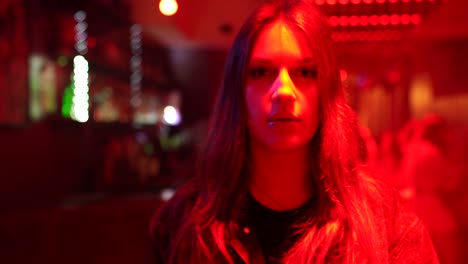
[[280, 41]]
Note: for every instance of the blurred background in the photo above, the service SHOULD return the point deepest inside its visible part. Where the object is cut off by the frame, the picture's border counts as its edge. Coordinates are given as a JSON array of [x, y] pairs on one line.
[[103, 104]]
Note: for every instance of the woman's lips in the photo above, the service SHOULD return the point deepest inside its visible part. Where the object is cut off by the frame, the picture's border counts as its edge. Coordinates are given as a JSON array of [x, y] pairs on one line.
[[282, 118]]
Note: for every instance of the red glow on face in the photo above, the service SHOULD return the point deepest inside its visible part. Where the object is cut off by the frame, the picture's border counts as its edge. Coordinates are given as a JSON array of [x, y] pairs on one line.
[[281, 94]]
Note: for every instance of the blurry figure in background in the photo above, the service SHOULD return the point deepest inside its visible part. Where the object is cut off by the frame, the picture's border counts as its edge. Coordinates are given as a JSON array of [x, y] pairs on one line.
[[460, 199], [279, 178], [428, 174], [389, 160], [370, 149]]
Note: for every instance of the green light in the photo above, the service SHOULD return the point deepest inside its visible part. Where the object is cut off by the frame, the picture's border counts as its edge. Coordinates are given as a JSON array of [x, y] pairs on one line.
[[67, 101]]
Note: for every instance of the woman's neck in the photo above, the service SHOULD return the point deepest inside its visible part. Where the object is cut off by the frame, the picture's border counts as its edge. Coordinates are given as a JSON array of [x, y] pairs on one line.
[[280, 180]]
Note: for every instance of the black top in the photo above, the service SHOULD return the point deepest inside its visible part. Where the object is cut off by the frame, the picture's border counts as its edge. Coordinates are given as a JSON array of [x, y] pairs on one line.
[[275, 231]]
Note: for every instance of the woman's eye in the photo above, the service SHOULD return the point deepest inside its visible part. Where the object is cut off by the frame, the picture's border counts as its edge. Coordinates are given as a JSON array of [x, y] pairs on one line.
[[306, 73], [259, 72]]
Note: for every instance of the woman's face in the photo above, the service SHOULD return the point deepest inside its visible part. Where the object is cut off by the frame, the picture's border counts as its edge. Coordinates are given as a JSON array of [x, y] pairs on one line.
[[281, 93]]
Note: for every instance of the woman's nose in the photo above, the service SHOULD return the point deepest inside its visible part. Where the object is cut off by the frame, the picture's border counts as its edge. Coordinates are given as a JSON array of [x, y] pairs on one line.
[[283, 87]]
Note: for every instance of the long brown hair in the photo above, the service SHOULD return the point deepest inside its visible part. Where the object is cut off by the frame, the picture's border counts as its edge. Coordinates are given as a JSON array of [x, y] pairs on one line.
[[344, 225]]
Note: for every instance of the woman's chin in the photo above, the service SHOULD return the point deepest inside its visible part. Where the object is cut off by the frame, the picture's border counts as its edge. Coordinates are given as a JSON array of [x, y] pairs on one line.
[[285, 145]]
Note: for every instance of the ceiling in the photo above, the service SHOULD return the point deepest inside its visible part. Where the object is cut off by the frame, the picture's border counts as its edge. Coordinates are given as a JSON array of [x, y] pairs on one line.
[[213, 23], [198, 23], [450, 21]]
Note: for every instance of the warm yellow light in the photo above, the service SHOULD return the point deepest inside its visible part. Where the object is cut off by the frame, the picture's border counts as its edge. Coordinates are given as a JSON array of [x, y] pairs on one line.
[[168, 7]]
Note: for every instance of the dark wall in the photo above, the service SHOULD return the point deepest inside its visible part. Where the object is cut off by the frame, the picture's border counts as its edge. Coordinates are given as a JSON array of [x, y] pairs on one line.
[[199, 73], [40, 163]]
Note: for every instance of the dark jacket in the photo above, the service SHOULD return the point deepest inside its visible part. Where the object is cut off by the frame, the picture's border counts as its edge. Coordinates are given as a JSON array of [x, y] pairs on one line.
[[405, 235]]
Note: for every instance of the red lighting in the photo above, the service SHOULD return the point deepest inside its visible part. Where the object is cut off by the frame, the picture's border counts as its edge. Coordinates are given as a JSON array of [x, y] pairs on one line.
[[364, 20], [379, 35], [331, 2], [394, 19], [343, 75], [343, 21], [405, 1], [416, 19], [356, 1], [353, 20], [344, 2], [368, 1], [333, 20], [394, 76], [365, 35], [396, 34], [405, 19], [336, 36], [374, 20], [361, 35], [320, 2], [380, 1], [384, 20], [345, 36], [392, 1]]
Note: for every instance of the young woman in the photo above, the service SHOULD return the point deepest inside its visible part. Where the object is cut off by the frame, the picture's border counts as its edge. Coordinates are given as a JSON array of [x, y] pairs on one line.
[[279, 179]]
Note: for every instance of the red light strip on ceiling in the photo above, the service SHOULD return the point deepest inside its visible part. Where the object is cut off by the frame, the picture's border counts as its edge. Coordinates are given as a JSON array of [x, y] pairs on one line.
[[366, 35], [345, 2], [375, 20]]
